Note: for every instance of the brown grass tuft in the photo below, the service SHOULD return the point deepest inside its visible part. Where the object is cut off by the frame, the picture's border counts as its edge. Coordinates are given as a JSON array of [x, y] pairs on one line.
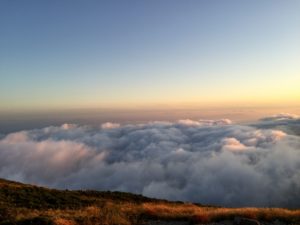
[[61, 221]]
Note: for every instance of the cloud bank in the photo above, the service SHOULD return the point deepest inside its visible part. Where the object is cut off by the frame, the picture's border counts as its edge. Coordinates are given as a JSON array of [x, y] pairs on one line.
[[289, 123], [210, 162]]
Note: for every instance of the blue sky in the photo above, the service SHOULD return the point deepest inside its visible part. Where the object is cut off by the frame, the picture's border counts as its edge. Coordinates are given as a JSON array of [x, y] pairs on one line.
[[89, 54]]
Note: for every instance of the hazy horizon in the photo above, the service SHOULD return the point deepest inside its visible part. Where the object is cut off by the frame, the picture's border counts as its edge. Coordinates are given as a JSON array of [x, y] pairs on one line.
[[16, 121]]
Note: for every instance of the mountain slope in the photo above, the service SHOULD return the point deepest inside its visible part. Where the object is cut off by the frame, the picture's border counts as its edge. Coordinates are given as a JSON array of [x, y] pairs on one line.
[[23, 204]]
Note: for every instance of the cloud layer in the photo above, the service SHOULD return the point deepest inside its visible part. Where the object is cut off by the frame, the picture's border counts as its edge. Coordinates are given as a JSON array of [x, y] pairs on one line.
[[211, 162], [289, 123]]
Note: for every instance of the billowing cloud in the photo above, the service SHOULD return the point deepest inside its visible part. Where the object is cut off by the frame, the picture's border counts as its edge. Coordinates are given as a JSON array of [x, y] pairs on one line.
[[189, 122], [212, 162], [282, 116], [289, 123], [109, 125]]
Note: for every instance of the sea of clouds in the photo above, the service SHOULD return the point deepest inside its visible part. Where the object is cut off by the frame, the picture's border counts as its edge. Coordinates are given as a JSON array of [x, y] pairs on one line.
[[205, 161]]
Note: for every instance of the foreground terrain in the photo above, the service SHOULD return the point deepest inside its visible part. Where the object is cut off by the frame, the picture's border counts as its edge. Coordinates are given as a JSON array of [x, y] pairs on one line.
[[23, 204]]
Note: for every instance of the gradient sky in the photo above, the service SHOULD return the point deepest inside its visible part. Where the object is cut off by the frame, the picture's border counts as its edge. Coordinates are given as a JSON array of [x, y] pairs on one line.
[[62, 54]]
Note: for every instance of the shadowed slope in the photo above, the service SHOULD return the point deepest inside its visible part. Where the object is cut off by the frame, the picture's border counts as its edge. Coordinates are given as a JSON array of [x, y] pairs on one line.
[[23, 204]]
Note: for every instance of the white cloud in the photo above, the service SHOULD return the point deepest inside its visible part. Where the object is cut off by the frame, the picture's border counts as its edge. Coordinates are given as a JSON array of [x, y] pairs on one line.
[[289, 123], [213, 162], [109, 125], [189, 122], [67, 126], [282, 116], [233, 144]]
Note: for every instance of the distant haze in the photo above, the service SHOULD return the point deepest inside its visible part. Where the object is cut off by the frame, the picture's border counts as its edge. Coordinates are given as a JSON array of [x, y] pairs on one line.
[[15, 121]]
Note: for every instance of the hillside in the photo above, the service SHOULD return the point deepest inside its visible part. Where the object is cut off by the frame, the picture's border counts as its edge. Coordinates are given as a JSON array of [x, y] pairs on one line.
[[23, 204]]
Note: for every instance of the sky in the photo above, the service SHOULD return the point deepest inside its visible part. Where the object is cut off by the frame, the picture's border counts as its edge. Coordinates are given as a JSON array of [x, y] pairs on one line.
[[61, 55]]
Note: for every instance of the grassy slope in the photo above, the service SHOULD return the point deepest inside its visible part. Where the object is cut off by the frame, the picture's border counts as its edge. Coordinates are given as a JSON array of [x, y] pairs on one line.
[[23, 204]]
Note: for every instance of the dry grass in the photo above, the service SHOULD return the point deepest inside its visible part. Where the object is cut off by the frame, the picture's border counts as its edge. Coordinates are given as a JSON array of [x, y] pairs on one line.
[[61, 221], [26, 204], [208, 214], [112, 213]]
